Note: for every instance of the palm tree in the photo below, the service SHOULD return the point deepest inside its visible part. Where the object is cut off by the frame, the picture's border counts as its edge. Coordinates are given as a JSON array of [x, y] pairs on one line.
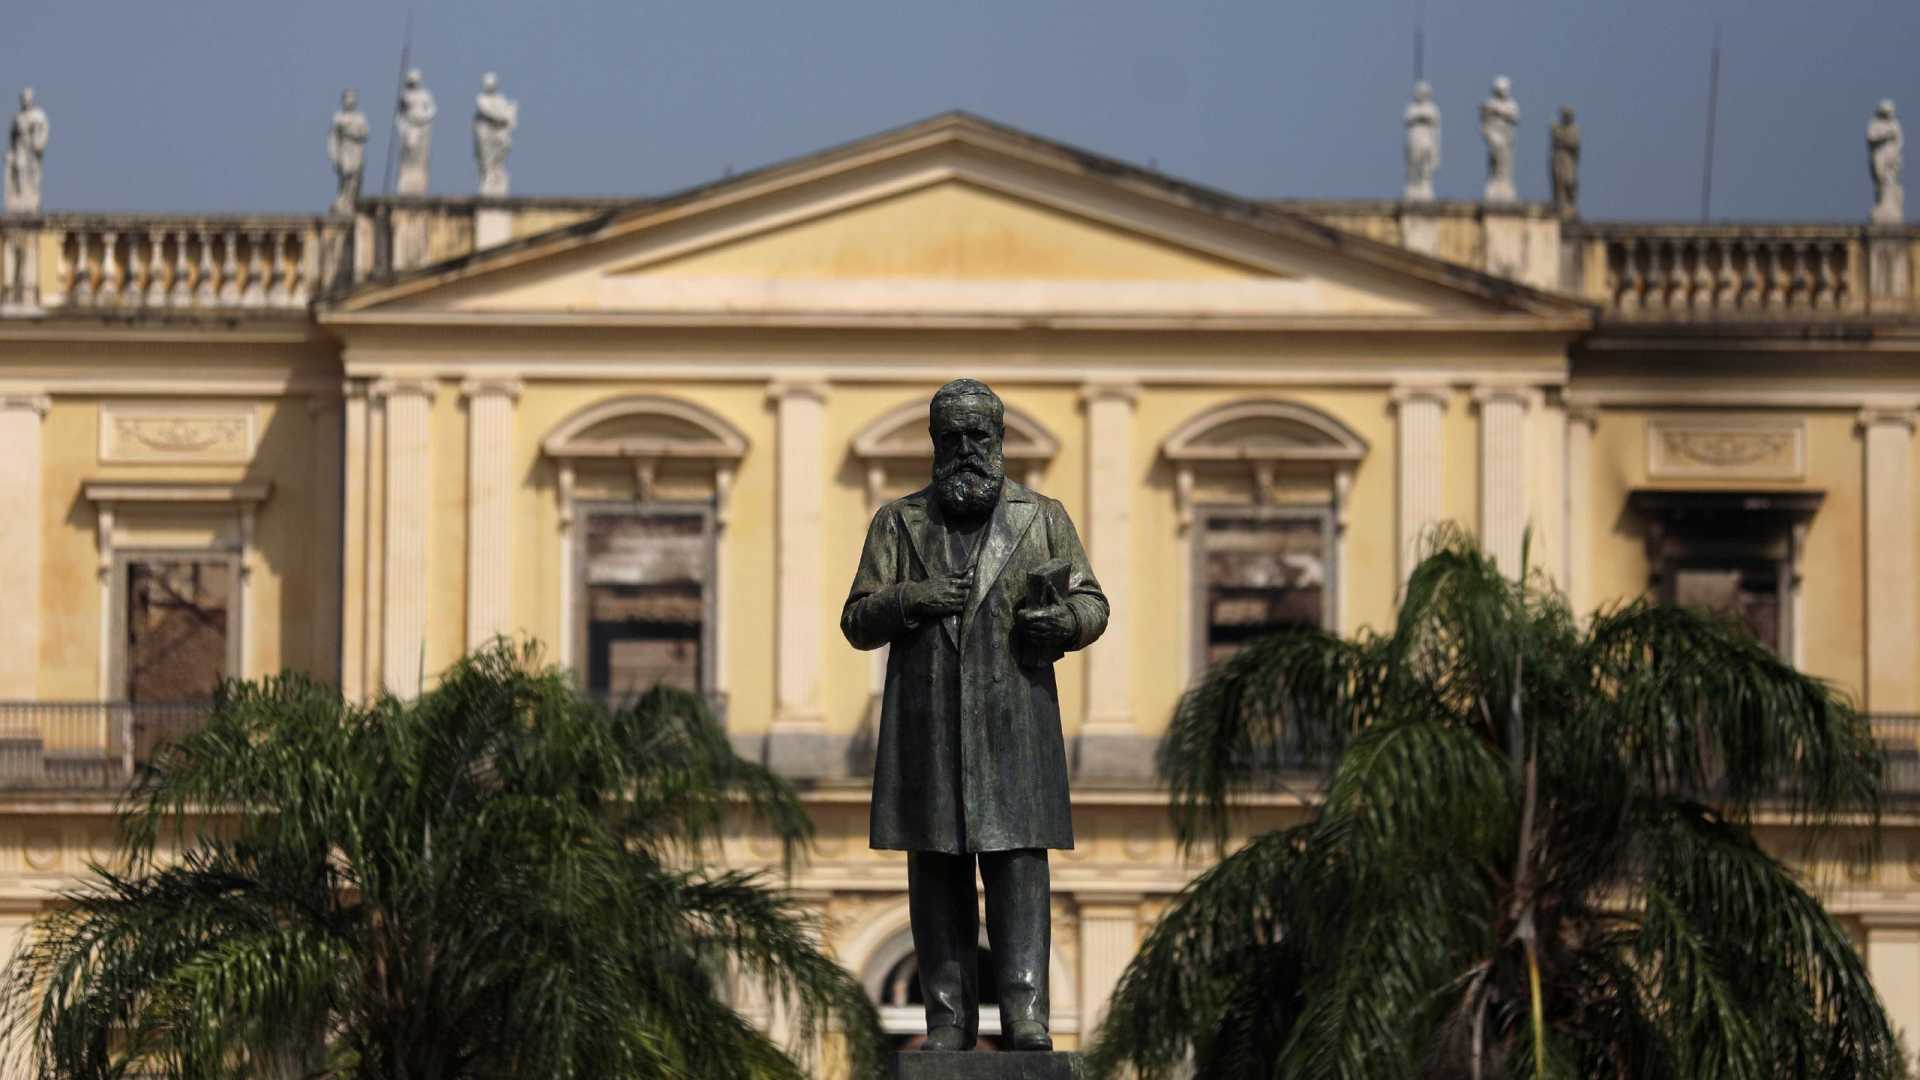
[[500, 878], [1532, 858]]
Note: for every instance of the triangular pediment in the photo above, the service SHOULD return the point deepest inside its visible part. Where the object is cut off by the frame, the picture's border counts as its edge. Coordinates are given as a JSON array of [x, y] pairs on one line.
[[954, 219]]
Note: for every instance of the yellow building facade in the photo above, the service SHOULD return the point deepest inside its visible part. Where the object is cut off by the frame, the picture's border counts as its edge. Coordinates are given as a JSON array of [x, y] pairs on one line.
[[650, 434]]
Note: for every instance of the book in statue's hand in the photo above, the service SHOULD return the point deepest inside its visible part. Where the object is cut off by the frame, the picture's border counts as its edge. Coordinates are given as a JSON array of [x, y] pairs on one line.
[[1046, 586]]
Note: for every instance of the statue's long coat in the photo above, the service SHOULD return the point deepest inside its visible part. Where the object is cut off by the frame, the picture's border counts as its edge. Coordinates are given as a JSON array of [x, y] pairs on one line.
[[970, 754]]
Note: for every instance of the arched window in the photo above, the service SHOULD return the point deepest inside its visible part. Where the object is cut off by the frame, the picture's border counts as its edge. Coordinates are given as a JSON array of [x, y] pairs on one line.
[[1261, 489], [643, 483]]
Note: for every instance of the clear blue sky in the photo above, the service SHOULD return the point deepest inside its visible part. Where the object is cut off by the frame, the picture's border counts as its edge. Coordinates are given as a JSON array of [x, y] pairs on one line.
[[206, 105]]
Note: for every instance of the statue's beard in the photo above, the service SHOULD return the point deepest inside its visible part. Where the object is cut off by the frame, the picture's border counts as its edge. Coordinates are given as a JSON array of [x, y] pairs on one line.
[[969, 487]]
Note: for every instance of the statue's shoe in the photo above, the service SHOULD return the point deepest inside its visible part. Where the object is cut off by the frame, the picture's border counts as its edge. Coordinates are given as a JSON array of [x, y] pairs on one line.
[[947, 1037], [1028, 1035]]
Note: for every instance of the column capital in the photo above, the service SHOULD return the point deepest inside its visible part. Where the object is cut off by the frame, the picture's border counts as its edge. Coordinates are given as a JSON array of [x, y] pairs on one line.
[[814, 387], [1872, 416], [38, 404], [1903, 925], [1437, 392], [1581, 411], [1125, 390], [1103, 902], [491, 387], [383, 389], [1520, 394]]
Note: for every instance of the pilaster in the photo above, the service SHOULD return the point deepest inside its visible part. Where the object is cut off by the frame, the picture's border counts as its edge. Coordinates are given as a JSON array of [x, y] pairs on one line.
[[1504, 458], [1109, 937], [1420, 408], [797, 740], [21, 532], [490, 404], [1578, 572], [1893, 963], [409, 493], [1887, 433], [1109, 743], [353, 543]]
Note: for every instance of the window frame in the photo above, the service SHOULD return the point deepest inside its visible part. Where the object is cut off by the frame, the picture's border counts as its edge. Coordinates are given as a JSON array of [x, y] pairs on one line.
[[1204, 515], [586, 509]]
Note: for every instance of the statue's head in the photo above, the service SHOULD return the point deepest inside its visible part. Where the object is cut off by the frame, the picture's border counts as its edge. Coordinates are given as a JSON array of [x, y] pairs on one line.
[[1423, 91], [26, 98], [967, 423], [1566, 114], [414, 78], [489, 83], [1502, 87], [349, 100], [1885, 111]]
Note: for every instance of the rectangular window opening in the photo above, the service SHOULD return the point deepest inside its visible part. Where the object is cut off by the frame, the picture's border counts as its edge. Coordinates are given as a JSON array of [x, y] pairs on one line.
[[178, 628], [1260, 571], [645, 587]]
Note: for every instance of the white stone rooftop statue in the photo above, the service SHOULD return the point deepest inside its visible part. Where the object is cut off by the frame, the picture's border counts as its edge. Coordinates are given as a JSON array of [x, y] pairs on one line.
[[413, 123], [1423, 143], [347, 149], [26, 156], [494, 118], [1499, 117], [1885, 148]]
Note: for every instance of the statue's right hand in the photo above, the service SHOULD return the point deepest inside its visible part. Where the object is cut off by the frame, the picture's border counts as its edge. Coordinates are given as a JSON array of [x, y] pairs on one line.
[[938, 596]]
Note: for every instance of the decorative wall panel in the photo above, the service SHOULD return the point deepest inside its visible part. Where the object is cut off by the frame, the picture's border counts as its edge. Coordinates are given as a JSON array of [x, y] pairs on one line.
[[166, 433], [1760, 448]]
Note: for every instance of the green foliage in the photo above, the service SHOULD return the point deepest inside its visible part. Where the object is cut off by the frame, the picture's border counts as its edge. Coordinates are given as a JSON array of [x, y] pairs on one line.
[[1533, 858], [498, 879]]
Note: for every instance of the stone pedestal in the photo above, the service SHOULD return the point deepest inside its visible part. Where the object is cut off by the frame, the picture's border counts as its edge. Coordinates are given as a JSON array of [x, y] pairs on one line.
[[1420, 228], [933, 1065], [491, 225], [1889, 270]]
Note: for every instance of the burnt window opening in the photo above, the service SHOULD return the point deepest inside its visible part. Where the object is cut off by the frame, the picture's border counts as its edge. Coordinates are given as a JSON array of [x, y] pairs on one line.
[[645, 590], [1259, 571], [178, 628], [1735, 553]]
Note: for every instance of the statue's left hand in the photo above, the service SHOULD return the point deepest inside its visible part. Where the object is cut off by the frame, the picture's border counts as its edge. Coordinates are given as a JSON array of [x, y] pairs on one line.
[[1050, 626]]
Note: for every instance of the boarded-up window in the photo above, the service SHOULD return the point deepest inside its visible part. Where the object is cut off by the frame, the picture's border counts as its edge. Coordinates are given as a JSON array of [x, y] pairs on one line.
[[645, 582], [1259, 573], [177, 628]]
